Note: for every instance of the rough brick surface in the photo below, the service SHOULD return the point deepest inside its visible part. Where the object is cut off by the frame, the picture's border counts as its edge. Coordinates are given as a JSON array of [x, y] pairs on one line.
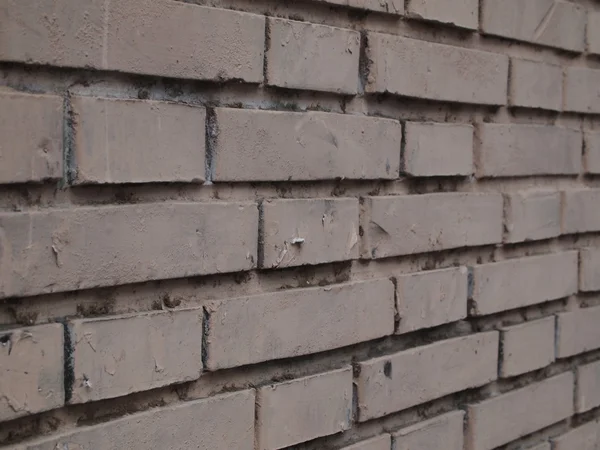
[[526, 347], [585, 437], [387, 6], [283, 146], [297, 322], [518, 150], [315, 231], [444, 431], [119, 141], [433, 71], [436, 149], [403, 225], [589, 269], [580, 211], [115, 36], [322, 405], [377, 443], [118, 355], [520, 282], [31, 370], [51, 250], [593, 32], [428, 299], [504, 418], [532, 215], [577, 332], [535, 85], [587, 395], [227, 422], [551, 23], [395, 382], [582, 90], [461, 13], [591, 155], [302, 55], [31, 128]]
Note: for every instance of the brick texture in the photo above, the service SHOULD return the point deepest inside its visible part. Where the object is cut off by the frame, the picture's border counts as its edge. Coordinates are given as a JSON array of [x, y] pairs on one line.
[[31, 370], [589, 269], [304, 146], [587, 395], [580, 214], [526, 347], [535, 85], [31, 134], [407, 224], [435, 149], [501, 419], [591, 155], [519, 150], [532, 215], [461, 13], [377, 443], [585, 437], [399, 381], [316, 57], [119, 141], [428, 299], [593, 32], [386, 6], [420, 69], [520, 282], [582, 91], [298, 232], [577, 332], [110, 357], [297, 322], [322, 405], [445, 431]]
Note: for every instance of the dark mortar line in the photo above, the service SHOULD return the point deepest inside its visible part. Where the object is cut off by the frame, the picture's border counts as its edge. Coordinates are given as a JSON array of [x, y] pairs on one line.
[[212, 134], [205, 333], [69, 367]]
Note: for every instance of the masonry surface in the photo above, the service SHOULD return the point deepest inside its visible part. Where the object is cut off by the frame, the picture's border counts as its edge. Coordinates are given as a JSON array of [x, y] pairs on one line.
[[311, 224]]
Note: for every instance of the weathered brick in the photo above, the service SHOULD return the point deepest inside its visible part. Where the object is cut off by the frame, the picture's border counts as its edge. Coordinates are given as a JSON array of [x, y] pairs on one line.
[[526, 347], [111, 359], [461, 13], [322, 405], [577, 332], [257, 145], [395, 382], [520, 282], [162, 41], [407, 224], [386, 6], [227, 422], [593, 32], [509, 416], [589, 269], [580, 211], [303, 55], [542, 446], [535, 85], [551, 23], [328, 228], [445, 431], [582, 90], [125, 141], [31, 370], [297, 322], [532, 215], [428, 299], [438, 149], [587, 387], [64, 249], [31, 128], [377, 443], [585, 437], [421, 69], [591, 155], [517, 150]]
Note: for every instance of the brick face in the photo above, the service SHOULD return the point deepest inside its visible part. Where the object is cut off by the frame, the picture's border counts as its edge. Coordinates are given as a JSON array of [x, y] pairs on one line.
[[577, 332], [444, 431], [278, 146], [593, 32], [535, 85], [591, 155], [520, 282], [444, 221], [461, 13], [376, 443], [432, 71], [396, 382], [580, 214], [589, 269], [582, 91], [386, 6], [585, 437], [587, 395], [532, 215], [504, 418], [297, 322], [31, 132], [322, 405]]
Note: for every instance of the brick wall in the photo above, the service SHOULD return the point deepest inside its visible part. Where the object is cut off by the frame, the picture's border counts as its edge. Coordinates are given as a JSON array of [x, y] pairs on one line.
[[312, 224]]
